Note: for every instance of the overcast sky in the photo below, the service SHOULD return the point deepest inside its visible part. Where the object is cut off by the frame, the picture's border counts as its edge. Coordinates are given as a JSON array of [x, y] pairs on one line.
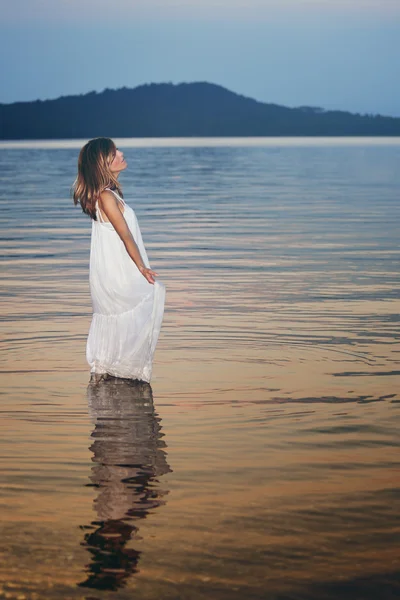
[[332, 53]]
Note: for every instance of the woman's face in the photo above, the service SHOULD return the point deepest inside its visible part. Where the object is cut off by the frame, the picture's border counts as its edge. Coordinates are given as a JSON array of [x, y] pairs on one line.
[[118, 163]]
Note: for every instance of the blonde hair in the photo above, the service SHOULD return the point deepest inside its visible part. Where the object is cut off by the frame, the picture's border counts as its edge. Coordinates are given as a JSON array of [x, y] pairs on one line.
[[94, 174]]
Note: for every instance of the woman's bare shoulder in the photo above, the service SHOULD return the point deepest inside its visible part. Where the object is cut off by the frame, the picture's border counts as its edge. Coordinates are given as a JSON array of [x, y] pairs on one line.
[[107, 196], [108, 200]]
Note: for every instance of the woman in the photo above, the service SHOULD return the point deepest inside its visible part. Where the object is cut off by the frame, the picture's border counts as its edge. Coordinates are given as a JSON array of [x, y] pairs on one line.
[[128, 303]]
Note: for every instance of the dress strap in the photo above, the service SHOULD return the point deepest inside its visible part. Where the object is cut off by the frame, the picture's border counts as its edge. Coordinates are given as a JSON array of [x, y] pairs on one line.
[[98, 211]]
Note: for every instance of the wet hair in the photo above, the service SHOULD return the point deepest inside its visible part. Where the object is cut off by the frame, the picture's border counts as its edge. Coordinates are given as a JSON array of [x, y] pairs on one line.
[[94, 174]]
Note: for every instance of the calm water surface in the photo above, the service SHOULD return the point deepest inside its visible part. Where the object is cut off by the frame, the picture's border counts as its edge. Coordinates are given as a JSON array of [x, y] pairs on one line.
[[262, 463]]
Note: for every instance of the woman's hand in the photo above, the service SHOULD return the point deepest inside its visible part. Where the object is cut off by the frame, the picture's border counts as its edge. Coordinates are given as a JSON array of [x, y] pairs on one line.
[[148, 273]]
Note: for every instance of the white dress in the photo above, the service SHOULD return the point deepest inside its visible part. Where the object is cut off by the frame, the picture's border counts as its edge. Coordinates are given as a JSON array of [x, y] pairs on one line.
[[127, 309]]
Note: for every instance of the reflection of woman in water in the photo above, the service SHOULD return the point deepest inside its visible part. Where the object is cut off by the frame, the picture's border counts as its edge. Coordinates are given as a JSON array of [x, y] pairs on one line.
[[129, 457]]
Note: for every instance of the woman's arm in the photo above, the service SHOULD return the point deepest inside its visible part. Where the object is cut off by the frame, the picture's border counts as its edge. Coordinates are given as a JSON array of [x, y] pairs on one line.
[[110, 207]]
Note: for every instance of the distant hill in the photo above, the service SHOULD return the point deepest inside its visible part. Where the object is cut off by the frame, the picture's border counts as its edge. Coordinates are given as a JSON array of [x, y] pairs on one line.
[[182, 110]]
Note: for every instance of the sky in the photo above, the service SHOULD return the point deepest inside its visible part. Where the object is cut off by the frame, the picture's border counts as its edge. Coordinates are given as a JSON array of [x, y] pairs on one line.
[[336, 54]]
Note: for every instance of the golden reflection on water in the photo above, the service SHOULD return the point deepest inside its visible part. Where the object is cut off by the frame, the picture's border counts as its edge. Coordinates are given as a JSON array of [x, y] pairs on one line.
[[276, 378]]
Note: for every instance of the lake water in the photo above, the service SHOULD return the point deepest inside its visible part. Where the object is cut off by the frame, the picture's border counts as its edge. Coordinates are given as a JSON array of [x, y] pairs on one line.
[[263, 461]]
